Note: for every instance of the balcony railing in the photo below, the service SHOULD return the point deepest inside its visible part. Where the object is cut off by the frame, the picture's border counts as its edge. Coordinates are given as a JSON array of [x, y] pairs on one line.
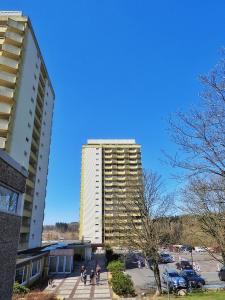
[[18, 39], [8, 62], [11, 49], [6, 92], [17, 25], [7, 77]]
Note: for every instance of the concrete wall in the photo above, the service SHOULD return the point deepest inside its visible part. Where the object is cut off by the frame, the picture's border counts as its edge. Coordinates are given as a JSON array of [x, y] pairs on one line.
[[9, 238], [92, 194], [42, 171]]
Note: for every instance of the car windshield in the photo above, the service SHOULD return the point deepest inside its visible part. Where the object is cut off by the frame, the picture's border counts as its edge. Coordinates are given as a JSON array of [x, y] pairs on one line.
[[191, 273], [173, 274], [165, 255]]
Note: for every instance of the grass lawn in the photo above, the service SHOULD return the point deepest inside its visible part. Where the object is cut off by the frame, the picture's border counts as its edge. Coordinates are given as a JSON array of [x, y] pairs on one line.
[[202, 296]]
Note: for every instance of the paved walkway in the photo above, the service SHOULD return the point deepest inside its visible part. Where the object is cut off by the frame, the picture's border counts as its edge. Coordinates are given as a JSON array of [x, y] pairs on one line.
[[71, 287]]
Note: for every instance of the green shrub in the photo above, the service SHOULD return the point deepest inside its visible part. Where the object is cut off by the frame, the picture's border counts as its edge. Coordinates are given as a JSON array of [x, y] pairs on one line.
[[20, 289], [115, 266], [122, 284]]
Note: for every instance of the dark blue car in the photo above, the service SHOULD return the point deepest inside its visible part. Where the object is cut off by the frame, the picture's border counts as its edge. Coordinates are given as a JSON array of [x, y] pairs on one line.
[[173, 280], [192, 278]]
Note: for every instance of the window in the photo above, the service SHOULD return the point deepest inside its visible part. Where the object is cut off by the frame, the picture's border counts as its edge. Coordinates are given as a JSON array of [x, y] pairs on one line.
[[36, 66], [21, 275], [35, 76], [38, 180], [8, 200], [34, 221], [39, 168], [30, 112], [35, 206], [29, 126], [27, 140], [25, 153], [35, 268], [37, 193], [32, 99], [33, 88]]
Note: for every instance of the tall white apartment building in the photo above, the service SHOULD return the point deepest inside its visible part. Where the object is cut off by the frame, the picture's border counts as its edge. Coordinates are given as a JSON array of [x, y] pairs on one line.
[[26, 109], [109, 171]]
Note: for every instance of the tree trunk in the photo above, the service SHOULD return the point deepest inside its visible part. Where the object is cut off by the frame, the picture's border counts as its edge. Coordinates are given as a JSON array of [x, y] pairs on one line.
[[157, 277], [223, 256]]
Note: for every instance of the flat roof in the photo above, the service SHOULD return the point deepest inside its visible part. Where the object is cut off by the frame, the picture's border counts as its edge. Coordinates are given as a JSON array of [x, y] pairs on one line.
[[110, 141]]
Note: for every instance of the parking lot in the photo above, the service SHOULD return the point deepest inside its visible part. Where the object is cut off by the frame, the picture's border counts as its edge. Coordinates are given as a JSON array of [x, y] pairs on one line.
[[144, 278]]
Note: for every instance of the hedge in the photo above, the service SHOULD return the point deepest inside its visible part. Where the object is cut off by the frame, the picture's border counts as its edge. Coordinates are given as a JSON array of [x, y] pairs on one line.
[[115, 266], [122, 284]]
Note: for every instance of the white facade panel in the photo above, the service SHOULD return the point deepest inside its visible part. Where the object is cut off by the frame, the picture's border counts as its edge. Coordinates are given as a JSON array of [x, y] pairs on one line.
[[25, 108], [42, 171], [92, 194]]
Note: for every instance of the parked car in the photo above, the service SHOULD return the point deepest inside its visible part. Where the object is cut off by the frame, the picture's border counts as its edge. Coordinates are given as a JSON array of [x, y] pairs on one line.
[[173, 280], [184, 264], [200, 249], [221, 274], [192, 278], [165, 258], [186, 248]]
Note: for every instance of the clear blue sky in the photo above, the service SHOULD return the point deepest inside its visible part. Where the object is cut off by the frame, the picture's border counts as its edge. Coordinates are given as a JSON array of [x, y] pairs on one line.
[[119, 68]]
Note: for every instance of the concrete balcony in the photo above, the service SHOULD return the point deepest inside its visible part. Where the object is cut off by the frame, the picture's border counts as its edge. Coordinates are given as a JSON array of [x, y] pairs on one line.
[[121, 167], [28, 198], [2, 30], [7, 79], [6, 92], [34, 157], [30, 183], [108, 167], [13, 38], [108, 173], [27, 212], [18, 26], [8, 64], [32, 170], [108, 184], [2, 142], [11, 49], [24, 229]]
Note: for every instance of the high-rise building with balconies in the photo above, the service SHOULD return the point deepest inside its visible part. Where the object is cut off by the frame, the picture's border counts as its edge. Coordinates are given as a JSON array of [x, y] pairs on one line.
[[26, 108], [110, 170]]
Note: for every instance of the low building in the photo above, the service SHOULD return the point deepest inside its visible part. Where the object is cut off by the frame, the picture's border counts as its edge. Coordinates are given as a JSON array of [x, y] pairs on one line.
[[60, 258], [12, 186]]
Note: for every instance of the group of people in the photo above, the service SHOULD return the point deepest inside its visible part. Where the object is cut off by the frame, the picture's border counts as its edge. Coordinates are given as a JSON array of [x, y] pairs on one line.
[[94, 275]]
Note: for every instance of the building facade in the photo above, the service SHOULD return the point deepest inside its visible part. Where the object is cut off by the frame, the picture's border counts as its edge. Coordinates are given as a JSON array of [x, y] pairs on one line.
[[12, 186], [110, 169], [26, 108]]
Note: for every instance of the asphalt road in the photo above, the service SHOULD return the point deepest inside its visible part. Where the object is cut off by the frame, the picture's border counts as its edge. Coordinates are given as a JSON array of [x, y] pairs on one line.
[[144, 279]]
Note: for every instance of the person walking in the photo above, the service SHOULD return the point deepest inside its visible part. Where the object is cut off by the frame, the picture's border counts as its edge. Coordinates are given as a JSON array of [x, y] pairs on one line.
[[98, 271], [139, 264], [84, 276], [92, 277], [81, 272]]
